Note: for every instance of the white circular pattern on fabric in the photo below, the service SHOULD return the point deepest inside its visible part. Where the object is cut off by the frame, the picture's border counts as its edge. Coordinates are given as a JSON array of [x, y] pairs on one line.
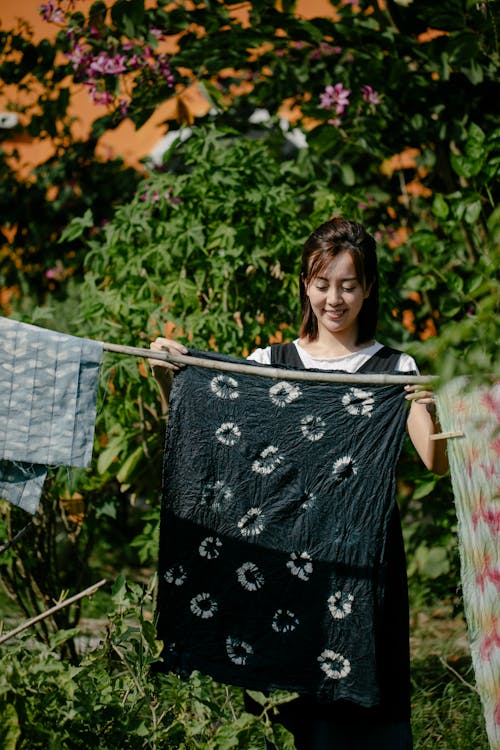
[[209, 547], [334, 665], [224, 387], [176, 574], [238, 650], [284, 621], [358, 402], [313, 428], [250, 577], [284, 393], [252, 523], [344, 468], [228, 433], [216, 495], [340, 605], [203, 606], [269, 460], [300, 565], [309, 501]]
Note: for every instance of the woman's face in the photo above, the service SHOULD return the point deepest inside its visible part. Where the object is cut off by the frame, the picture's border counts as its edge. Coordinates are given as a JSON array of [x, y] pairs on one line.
[[336, 298]]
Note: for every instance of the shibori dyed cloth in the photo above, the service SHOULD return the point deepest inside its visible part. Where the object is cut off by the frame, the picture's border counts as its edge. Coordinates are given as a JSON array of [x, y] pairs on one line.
[[475, 473], [277, 496], [48, 391]]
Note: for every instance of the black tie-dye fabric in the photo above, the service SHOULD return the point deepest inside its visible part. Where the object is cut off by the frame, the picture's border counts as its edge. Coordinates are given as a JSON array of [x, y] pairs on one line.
[[277, 498]]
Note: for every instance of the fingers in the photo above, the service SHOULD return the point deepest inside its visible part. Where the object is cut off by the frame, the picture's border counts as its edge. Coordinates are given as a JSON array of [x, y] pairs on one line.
[[161, 344], [420, 395], [423, 396]]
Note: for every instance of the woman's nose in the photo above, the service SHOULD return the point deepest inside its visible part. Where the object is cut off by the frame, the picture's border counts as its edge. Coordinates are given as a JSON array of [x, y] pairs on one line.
[[334, 296]]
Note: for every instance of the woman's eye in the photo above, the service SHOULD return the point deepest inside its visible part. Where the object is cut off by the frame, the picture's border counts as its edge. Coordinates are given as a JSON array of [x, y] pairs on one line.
[[348, 288]]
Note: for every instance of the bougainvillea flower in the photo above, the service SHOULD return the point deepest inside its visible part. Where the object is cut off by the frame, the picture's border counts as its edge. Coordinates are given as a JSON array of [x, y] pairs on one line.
[[335, 97], [369, 95]]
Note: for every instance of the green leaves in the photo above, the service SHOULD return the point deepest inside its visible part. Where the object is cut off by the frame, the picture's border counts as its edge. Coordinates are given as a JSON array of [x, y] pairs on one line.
[[128, 16], [77, 227], [470, 164], [430, 562]]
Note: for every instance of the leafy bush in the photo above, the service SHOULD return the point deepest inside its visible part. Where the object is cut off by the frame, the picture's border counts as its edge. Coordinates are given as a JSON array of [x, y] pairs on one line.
[[110, 699]]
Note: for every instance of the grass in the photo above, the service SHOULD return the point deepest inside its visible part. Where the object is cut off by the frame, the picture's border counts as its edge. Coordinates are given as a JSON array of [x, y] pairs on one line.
[[447, 712]]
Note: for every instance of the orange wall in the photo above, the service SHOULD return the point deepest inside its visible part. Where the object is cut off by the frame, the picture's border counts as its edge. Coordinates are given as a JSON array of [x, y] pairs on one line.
[[125, 141]]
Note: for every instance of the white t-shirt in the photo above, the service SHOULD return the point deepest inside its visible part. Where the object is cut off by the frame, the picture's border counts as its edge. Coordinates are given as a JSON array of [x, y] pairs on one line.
[[348, 363]]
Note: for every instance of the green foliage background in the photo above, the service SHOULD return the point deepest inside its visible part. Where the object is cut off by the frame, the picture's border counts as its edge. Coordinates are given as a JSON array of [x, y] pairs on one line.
[[206, 248]]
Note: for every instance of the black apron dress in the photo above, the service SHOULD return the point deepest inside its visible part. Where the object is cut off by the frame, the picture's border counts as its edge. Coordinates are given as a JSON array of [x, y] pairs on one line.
[[343, 725], [252, 594]]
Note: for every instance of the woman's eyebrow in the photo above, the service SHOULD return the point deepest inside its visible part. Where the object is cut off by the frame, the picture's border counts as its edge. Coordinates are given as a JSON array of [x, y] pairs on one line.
[[344, 278]]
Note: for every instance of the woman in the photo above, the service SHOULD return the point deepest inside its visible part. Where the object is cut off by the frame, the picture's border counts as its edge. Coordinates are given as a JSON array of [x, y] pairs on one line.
[[339, 296]]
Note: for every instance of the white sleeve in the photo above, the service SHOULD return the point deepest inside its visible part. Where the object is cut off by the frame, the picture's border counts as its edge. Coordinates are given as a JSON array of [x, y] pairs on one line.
[[262, 356], [407, 364]]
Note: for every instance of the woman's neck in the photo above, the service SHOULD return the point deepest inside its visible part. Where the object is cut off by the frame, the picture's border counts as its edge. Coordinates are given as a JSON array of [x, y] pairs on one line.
[[332, 346]]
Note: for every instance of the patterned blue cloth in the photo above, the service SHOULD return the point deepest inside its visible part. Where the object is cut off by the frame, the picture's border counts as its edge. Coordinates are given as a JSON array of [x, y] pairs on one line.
[[277, 502], [48, 392]]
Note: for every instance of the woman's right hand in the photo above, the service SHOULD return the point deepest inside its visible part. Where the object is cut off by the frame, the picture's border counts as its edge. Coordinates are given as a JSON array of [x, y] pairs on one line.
[[161, 344]]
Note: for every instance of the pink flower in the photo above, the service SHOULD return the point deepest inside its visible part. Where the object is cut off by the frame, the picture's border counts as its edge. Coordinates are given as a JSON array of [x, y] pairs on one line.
[[51, 12], [98, 96], [171, 198], [370, 96], [103, 64], [158, 33], [324, 50], [58, 273], [135, 61], [335, 97], [77, 56]]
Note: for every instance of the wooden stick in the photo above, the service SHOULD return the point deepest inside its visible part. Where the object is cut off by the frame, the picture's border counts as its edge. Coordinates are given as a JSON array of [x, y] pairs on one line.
[[88, 592], [276, 373], [7, 545], [447, 435]]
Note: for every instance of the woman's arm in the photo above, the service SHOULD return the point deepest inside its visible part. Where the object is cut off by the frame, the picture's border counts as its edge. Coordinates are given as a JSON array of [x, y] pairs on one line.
[[422, 423]]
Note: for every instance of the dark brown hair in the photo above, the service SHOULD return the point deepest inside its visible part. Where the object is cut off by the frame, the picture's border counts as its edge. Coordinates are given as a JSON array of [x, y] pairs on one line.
[[328, 240]]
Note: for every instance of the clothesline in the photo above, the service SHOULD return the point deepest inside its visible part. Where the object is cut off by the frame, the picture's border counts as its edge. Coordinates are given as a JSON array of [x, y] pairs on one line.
[[273, 372]]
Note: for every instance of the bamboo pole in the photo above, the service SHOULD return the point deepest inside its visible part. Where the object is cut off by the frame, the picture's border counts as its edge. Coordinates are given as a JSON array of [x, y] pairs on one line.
[[276, 373], [60, 605]]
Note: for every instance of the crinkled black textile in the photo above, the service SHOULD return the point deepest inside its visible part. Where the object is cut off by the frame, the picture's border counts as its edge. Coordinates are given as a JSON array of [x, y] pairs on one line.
[[277, 501]]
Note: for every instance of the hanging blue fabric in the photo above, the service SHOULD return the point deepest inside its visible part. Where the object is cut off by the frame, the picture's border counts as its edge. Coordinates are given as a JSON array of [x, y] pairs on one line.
[[48, 391]]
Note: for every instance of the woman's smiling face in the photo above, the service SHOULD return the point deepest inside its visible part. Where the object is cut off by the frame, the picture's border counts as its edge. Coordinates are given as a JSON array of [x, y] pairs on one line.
[[336, 297]]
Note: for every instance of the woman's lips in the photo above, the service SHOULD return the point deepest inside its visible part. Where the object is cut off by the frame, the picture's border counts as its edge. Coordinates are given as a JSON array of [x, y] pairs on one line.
[[334, 314]]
